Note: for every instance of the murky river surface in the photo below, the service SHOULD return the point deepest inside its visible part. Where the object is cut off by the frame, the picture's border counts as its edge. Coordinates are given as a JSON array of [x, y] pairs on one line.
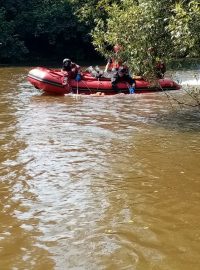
[[97, 182]]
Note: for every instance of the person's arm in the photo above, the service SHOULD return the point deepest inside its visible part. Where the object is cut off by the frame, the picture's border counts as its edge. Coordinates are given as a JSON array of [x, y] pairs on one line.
[[75, 68], [108, 65], [78, 67]]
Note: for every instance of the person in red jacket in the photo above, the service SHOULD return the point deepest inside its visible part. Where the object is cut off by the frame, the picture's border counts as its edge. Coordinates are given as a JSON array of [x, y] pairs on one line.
[[160, 69], [119, 72], [113, 63]]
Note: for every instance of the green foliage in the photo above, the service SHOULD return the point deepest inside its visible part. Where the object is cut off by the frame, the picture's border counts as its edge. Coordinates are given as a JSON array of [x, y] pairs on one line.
[[149, 31], [184, 26], [55, 21], [11, 46], [37, 25], [90, 11]]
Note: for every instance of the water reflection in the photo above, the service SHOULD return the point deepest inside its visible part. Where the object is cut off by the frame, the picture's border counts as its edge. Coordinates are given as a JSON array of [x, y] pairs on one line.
[[98, 183]]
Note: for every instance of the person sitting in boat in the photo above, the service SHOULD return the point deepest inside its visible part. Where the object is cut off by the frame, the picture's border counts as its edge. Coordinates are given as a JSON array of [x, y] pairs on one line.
[[122, 74], [160, 69], [71, 70], [119, 72], [113, 64]]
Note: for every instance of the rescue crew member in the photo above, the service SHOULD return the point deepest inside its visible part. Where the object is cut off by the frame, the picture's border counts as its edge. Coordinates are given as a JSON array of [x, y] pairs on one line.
[[70, 71], [119, 72]]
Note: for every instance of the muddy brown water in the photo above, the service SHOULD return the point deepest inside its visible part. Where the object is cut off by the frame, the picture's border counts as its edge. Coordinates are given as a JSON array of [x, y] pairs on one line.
[[97, 182]]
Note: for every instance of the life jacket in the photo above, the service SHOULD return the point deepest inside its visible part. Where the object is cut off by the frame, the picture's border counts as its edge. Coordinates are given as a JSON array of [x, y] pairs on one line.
[[115, 64]]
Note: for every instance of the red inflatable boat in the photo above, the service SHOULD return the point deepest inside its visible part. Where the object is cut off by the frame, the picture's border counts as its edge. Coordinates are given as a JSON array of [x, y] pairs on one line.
[[52, 81]]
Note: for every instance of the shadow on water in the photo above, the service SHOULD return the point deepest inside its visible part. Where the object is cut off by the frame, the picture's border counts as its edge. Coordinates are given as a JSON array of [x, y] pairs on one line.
[[184, 120]]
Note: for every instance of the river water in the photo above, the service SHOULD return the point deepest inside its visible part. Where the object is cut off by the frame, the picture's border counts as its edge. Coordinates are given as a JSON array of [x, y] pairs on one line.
[[95, 183]]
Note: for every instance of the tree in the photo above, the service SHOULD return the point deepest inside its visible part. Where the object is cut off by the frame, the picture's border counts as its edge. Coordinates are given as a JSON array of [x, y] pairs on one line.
[[11, 46], [46, 27], [149, 31], [184, 27]]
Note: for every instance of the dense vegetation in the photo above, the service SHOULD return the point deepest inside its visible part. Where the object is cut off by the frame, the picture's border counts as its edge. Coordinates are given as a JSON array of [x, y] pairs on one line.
[[32, 28], [147, 30]]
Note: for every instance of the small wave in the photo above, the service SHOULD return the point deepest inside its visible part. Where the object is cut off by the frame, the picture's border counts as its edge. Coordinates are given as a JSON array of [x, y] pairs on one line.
[[191, 82]]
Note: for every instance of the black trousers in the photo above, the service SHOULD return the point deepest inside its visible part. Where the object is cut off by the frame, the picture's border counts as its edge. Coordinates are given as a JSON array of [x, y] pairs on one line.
[[116, 78]]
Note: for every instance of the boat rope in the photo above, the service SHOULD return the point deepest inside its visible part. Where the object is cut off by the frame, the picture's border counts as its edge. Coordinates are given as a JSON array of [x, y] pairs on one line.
[[77, 87], [98, 84], [87, 87], [90, 89]]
